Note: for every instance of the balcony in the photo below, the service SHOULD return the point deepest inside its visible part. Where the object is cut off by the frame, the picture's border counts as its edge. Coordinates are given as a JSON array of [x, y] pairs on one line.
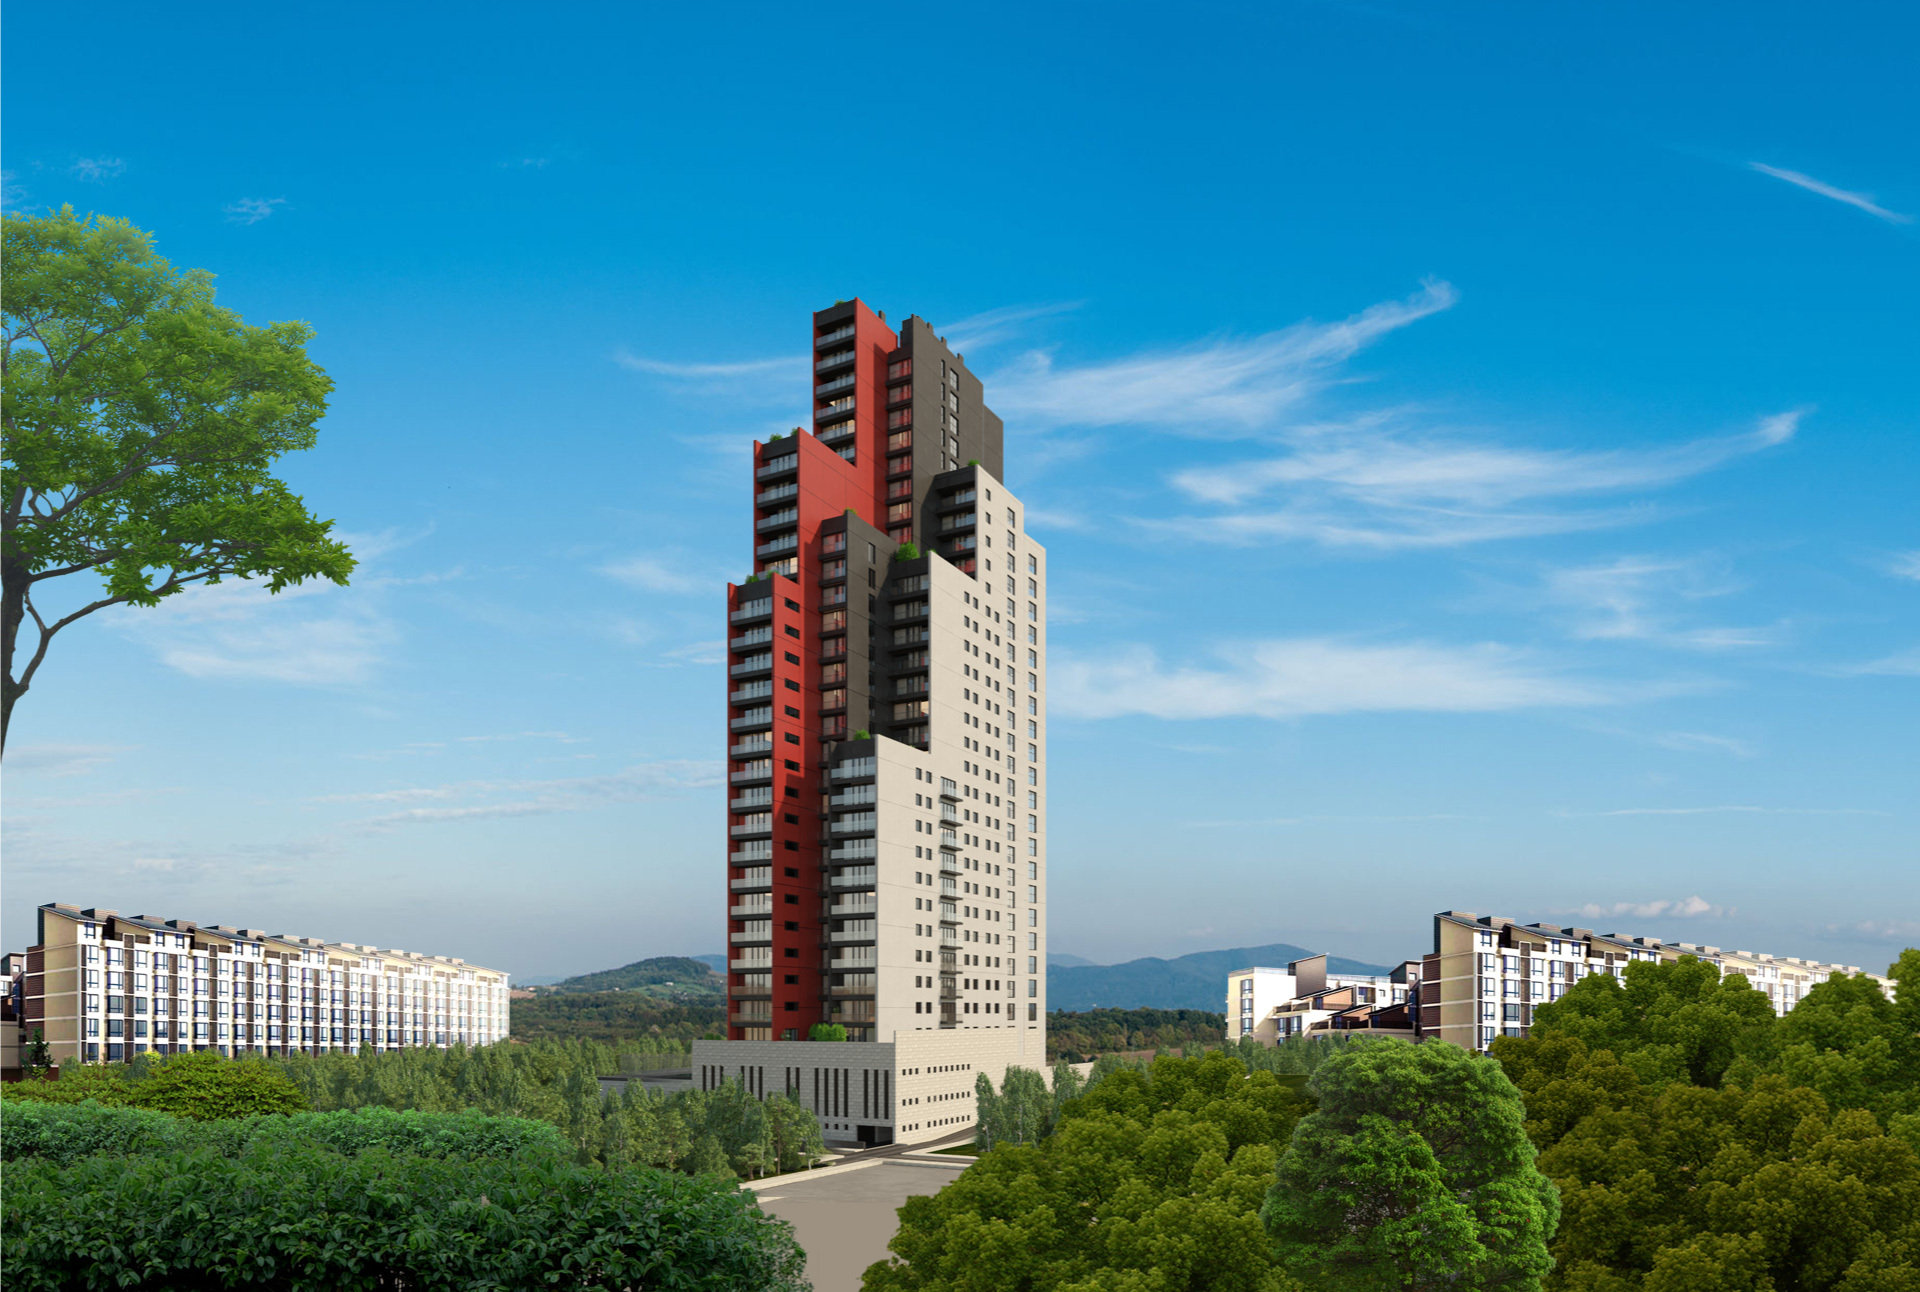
[[760, 909], [778, 467], [963, 521], [852, 937], [752, 937], [827, 389], [949, 989], [779, 493], [838, 359], [838, 334], [752, 610], [752, 799], [751, 691], [899, 394], [757, 773], [854, 959], [949, 913], [909, 610], [750, 639], [854, 769], [949, 863], [855, 823], [755, 853], [784, 543], [856, 877], [853, 850], [854, 797], [910, 636], [750, 748], [749, 961], [755, 1019], [949, 840], [837, 409], [759, 880], [949, 815], [753, 720], [753, 829], [837, 432], [955, 501], [949, 789], [835, 648], [864, 904], [785, 516], [748, 667]]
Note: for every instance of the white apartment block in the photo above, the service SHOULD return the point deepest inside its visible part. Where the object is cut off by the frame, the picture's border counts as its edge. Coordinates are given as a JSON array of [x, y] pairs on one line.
[[1268, 1005], [103, 987], [1487, 974]]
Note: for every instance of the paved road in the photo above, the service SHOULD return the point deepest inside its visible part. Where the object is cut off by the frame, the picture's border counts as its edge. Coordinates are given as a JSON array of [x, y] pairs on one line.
[[845, 1217]]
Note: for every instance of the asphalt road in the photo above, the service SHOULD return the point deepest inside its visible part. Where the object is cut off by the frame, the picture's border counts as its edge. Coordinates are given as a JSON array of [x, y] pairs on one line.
[[844, 1217]]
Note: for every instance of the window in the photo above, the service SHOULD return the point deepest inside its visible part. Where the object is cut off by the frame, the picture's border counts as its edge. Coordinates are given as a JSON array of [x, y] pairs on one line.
[[1033, 611]]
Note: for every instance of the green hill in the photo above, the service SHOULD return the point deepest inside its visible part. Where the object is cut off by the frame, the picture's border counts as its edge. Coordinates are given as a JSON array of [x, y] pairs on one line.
[[669, 977]]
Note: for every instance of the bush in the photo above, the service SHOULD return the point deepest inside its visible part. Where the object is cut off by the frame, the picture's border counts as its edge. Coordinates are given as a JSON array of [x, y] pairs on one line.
[[305, 1219], [64, 1133], [827, 1032], [205, 1087]]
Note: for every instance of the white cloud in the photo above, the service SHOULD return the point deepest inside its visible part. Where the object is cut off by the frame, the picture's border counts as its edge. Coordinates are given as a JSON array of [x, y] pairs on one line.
[[1292, 678], [1904, 663], [992, 326], [560, 736], [652, 574], [97, 170], [1859, 201], [1906, 932], [1696, 741], [56, 760], [252, 210], [11, 194], [1634, 598], [494, 800], [305, 634], [1684, 908], [1220, 387], [1905, 565], [1743, 808], [1371, 483]]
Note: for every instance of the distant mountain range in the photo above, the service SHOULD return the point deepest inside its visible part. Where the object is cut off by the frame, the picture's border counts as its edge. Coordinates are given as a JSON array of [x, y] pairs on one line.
[[1197, 981], [660, 976]]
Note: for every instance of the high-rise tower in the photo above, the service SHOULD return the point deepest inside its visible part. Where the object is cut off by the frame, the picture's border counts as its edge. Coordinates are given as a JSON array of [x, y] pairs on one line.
[[887, 743]]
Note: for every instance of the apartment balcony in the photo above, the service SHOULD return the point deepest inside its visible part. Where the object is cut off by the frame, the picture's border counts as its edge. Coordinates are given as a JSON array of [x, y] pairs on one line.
[[756, 774], [762, 961], [839, 359], [758, 720], [949, 863], [949, 815], [787, 516], [756, 830], [755, 1019], [949, 938], [853, 907], [756, 881], [857, 878], [832, 411], [753, 852], [853, 1011], [909, 610], [833, 648], [751, 691], [857, 769], [827, 389], [911, 686], [948, 839], [755, 664], [910, 636], [949, 913], [779, 493], [784, 543], [949, 989], [747, 640], [750, 748], [956, 501], [857, 823], [752, 938], [851, 959], [837, 432], [778, 467], [960, 546], [762, 609], [853, 850], [853, 993], [760, 799], [899, 394], [760, 909], [949, 789], [854, 797], [964, 520], [865, 938], [838, 334]]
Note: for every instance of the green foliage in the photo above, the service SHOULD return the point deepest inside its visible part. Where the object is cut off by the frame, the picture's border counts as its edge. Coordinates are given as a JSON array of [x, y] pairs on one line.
[[691, 978], [1079, 1036], [39, 1055], [1152, 1179], [203, 1086], [827, 1032], [65, 1133], [1414, 1173], [1701, 1146], [863, 734], [907, 552], [627, 1019], [141, 425], [301, 1217]]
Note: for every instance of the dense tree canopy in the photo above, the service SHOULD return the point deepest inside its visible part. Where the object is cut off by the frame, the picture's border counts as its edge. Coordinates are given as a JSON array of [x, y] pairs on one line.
[[1151, 1180], [1415, 1172], [141, 425], [1079, 1036]]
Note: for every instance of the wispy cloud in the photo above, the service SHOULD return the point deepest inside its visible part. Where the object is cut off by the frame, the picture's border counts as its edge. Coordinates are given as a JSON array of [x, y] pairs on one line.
[[560, 736], [1859, 201], [1904, 663], [780, 380], [11, 194], [56, 760], [1746, 809], [1698, 741], [1298, 677], [307, 634], [525, 163], [654, 574], [1684, 908], [979, 331], [1905, 565], [1906, 932], [1370, 483], [1637, 598], [1226, 386], [252, 210], [97, 170], [495, 800]]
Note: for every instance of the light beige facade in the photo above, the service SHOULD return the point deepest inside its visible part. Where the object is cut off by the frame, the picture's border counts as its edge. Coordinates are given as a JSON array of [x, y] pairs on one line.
[[1304, 999], [1487, 974], [103, 986]]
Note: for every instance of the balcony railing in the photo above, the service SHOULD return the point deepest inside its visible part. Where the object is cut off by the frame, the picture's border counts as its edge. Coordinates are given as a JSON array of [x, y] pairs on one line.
[[838, 431], [748, 748], [853, 797], [752, 799], [949, 789], [954, 501], [854, 823], [752, 720], [831, 412], [854, 958], [752, 830], [838, 334], [833, 387], [854, 769], [784, 543], [749, 960], [864, 904], [761, 851], [949, 815], [779, 493], [754, 637], [752, 773], [833, 360], [762, 609], [852, 850], [751, 691], [786, 516], [760, 879], [963, 521], [949, 840], [949, 863], [751, 665], [761, 906], [854, 877], [778, 467]]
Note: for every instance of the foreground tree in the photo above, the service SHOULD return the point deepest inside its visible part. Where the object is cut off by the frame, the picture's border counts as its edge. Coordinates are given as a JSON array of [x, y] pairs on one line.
[[1415, 1173], [141, 422]]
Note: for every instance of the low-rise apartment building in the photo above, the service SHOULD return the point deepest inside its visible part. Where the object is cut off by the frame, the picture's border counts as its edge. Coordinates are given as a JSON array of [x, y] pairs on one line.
[[1304, 999], [102, 986], [1487, 974]]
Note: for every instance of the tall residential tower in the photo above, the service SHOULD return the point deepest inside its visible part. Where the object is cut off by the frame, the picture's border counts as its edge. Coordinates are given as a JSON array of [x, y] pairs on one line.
[[887, 748]]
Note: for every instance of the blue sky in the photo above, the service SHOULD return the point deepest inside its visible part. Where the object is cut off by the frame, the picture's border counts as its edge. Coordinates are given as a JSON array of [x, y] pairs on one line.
[[1476, 449]]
